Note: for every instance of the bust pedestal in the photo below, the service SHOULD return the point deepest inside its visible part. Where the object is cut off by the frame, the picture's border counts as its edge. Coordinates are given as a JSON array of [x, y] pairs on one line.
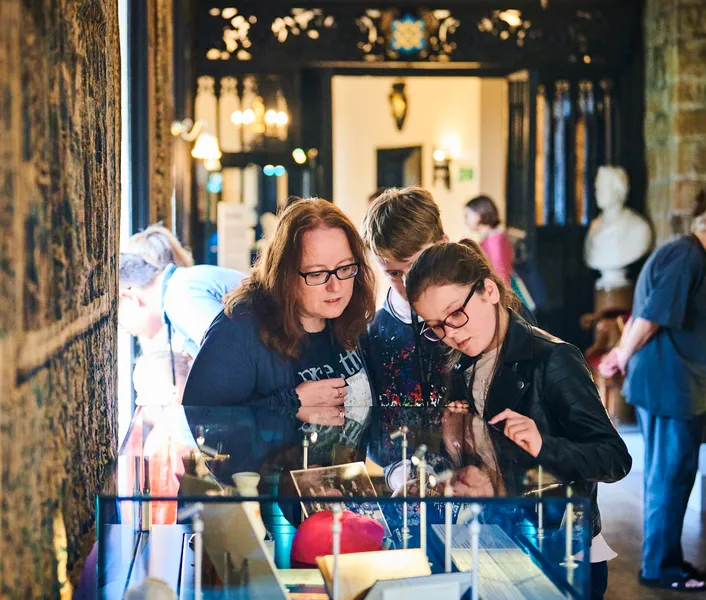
[[618, 298]]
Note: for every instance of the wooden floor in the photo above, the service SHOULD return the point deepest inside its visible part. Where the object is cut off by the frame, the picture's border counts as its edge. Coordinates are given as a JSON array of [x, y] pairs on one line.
[[621, 511]]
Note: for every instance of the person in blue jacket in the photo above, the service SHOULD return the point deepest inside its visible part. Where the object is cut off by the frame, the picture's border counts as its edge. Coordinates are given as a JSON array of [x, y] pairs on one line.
[[185, 299], [662, 351], [288, 337]]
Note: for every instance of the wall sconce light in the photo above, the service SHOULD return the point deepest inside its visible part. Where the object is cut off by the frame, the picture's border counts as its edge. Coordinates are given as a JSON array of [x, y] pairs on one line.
[[398, 104], [274, 122], [245, 117], [442, 167], [206, 146]]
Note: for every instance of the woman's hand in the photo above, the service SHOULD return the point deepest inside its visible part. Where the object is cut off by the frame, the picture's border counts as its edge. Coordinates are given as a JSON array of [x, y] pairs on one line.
[[327, 392], [322, 401], [521, 430]]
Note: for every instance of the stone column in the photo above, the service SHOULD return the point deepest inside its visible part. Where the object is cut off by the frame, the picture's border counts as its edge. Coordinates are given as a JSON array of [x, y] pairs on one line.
[[675, 119]]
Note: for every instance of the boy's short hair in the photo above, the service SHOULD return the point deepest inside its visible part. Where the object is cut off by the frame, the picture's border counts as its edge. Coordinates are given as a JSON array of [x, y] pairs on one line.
[[135, 271], [400, 222], [377, 193]]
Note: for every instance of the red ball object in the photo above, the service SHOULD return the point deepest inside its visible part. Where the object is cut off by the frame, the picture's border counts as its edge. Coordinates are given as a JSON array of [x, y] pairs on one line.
[[314, 537]]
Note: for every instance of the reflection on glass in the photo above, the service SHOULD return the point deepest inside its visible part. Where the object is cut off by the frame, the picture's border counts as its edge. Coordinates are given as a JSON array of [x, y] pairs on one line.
[[152, 457], [511, 561], [482, 461], [530, 543]]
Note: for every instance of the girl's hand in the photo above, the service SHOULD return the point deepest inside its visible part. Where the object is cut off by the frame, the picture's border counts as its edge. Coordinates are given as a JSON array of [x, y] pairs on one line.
[[521, 430]]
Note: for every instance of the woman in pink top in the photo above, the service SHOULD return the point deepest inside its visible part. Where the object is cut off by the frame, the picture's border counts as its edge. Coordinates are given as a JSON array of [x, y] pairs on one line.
[[482, 218]]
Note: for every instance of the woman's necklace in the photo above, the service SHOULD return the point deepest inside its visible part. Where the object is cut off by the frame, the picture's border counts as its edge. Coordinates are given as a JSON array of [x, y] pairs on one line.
[[485, 386], [486, 369]]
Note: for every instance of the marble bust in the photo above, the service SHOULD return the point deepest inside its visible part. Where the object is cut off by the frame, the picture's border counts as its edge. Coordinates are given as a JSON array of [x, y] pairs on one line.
[[619, 236]]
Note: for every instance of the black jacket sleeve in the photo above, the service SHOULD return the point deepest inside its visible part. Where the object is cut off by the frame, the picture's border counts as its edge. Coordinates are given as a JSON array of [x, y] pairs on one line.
[[589, 448]]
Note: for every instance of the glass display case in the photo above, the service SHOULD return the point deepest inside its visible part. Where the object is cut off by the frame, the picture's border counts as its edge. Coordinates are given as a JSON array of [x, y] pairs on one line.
[[249, 503]]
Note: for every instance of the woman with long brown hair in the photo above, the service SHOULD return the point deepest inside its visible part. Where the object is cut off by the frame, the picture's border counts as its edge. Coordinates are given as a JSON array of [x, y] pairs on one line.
[[288, 337]]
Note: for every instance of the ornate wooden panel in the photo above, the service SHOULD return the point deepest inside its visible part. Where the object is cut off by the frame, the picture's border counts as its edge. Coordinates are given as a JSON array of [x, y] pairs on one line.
[[477, 35]]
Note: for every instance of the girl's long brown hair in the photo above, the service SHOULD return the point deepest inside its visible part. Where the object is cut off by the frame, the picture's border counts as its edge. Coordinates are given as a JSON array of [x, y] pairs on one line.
[[270, 292], [462, 263]]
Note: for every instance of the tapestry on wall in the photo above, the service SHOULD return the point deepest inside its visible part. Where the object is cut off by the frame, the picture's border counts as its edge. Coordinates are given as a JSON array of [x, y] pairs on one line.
[[161, 110], [59, 216]]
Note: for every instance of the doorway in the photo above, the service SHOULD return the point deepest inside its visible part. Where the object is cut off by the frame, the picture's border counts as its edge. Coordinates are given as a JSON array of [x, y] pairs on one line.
[[399, 167], [465, 117]]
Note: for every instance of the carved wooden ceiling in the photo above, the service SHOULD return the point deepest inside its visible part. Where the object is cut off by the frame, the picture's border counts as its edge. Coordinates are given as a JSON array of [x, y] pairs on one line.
[[235, 36]]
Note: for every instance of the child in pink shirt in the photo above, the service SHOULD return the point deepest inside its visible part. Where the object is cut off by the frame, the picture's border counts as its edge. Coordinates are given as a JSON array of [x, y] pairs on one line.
[[482, 218]]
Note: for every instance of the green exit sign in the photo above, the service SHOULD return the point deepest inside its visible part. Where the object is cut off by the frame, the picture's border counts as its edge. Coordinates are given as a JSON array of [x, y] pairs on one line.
[[465, 174]]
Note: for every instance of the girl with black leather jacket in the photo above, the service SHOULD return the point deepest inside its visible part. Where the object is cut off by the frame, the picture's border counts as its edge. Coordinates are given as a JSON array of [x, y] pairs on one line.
[[536, 388]]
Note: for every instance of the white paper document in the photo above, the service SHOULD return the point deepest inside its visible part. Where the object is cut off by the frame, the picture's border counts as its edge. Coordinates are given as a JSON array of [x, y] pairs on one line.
[[505, 570]]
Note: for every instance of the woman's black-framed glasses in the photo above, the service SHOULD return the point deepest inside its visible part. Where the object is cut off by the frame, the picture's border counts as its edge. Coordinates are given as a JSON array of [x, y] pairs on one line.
[[321, 277], [456, 320]]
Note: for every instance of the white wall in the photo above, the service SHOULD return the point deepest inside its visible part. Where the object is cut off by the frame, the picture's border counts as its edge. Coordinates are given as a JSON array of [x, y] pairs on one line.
[[466, 113], [493, 140]]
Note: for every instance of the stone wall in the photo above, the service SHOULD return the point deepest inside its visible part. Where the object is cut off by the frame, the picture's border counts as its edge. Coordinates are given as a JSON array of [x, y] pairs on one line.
[[59, 216], [675, 120]]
